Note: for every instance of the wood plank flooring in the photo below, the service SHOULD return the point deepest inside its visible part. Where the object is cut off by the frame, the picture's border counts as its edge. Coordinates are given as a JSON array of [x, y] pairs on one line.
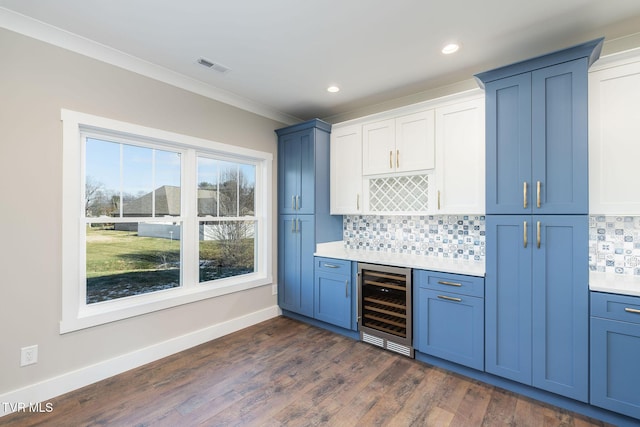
[[285, 373]]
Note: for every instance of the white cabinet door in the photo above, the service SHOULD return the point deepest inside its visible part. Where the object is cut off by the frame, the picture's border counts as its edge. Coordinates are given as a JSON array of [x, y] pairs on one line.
[[460, 153], [415, 142], [378, 147], [346, 170], [614, 140]]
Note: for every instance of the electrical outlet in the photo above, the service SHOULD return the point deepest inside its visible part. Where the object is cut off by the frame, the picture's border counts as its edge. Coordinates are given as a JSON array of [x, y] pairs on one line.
[[274, 289], [28, 355]]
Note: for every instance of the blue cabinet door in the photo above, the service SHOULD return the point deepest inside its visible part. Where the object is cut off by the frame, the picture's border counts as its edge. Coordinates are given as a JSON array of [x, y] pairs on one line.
[[559, 179], [536, 141], [615, 371], [560, 304], [508, 145], [296, 170], [508, 297], [333, 291], [450, 326], [295, 263]]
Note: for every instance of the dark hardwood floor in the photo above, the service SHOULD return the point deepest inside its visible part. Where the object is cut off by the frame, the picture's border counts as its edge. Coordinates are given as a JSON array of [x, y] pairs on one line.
[[285, 373]]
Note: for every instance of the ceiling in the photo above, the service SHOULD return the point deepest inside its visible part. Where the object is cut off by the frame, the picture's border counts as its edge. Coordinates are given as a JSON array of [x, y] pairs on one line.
[[283, 54]]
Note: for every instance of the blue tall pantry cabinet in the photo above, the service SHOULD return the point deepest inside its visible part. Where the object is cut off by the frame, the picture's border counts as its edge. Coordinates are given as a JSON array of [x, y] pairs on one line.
[[536, 284], [303, 211]]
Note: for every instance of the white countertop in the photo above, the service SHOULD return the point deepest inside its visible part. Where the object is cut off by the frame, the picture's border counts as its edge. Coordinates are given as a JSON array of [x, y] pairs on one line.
[[614, 283], [337, 250]]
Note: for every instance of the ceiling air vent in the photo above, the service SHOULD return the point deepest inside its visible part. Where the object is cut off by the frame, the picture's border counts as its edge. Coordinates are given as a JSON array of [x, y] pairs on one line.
[[210, 64]]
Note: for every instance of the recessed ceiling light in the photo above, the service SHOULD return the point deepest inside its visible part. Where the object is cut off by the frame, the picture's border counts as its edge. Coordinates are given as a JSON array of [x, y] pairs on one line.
[[333, 89], [450, 48]]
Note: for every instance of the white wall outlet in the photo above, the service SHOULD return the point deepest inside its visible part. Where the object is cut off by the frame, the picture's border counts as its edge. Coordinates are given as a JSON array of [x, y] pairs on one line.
[[274, 289], [28, 355]]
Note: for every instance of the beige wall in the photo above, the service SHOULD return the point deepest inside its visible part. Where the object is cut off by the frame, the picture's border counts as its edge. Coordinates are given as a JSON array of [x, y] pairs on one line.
[[36, 81]]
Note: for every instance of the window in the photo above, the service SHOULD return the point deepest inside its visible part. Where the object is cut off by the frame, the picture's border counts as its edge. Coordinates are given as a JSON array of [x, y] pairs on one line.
[[153, 219]]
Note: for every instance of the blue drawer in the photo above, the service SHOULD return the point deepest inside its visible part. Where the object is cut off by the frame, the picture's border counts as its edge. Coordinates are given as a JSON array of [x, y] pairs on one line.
[[333, 266], [615, 307], [448, 282]]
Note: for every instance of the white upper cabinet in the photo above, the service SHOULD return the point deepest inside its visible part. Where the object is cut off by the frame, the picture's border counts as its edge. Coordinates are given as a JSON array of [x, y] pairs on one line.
[[614, 142], [460, 166], [346, 170], [399, 144]]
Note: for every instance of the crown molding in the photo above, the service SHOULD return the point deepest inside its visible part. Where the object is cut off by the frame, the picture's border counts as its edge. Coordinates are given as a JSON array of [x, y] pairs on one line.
[[39, 30]]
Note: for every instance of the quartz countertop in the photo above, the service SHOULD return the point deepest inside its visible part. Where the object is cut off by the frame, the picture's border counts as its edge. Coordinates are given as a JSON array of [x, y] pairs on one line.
[[337, 250], [614, 283]]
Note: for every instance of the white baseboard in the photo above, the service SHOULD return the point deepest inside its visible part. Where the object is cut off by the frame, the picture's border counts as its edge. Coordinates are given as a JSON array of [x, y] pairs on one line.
[[40, 392]]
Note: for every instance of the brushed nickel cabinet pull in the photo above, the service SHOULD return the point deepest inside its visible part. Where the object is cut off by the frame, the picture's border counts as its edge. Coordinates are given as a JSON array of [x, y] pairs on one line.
[[538, 193], [632, 310], [293, 225], [298, 202], [293, 203], [538, 233], [450, 298], [358, 202], [525, 235], [442, 282], [346, 289], [397, 158], [524, 195], [330, 265], [390, 159]]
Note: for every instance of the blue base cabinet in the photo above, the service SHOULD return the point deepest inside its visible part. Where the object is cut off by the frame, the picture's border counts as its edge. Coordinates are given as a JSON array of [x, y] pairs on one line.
[[449, 317], [333, 292], [537, 301], [615, 353], [303, 211]]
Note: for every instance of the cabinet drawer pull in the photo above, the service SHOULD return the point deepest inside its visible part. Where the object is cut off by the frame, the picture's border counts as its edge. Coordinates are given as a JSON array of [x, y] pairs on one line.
[[450, 298], [538, 234], [524, 195], [438, 199], [525, 235], [330, 265], [346, 289], [538, 191], [442, 282], [632, 310], [398, 159], [390, 159]]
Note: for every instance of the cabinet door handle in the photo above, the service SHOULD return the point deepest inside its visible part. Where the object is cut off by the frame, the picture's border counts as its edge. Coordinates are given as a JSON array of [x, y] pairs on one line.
[[358, 202], [632, 310], [298, 202], [346, 288], [293, 225], [538, 194], [450, 298], [298, 225], [442, 282], [330, 265], [397, 158], [390, 159], [538, 234], [524, 237], [524, 195], [293, 203]]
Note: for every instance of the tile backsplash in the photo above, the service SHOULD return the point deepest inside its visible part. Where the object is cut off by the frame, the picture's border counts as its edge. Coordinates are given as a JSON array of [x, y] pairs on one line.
[[614, 244], [445, 236], [614, 241]]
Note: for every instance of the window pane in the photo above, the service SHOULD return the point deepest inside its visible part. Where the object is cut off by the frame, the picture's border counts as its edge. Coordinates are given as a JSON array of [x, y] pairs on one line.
[[227, 248], [127, 259], [137, 181], [102, 178], [207, 187]]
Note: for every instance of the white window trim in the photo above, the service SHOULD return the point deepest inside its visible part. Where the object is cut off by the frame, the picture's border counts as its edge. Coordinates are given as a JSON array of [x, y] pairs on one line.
[[76, 314]]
